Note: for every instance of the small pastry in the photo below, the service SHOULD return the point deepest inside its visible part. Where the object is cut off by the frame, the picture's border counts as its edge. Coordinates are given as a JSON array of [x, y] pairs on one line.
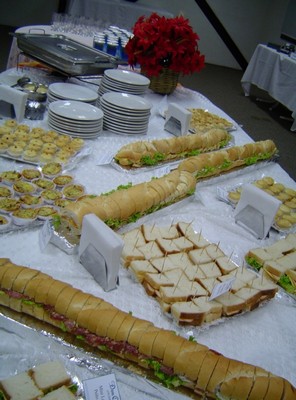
[[9, 204], [5, 221], [28, 200], [77, 143], [20, 143], [24, 216], [63, 180], [50, 148], [5, 130], [73, 191], [62, 203], [47, 138], [30, 155], [3, 146], [5, 191], [51, 169], [24, 187], [45, 157], [53, 134], [21, 135], [31, 173], [14, 150], [37, 132], [10, 176], [11, 123], [43, 183], [50, 195], [46, 212], [23, 127]]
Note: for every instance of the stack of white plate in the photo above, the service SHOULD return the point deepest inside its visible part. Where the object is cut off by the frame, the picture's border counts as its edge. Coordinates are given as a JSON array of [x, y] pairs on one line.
[[125, 113], [117, 80], [75, 118], [70, 91]]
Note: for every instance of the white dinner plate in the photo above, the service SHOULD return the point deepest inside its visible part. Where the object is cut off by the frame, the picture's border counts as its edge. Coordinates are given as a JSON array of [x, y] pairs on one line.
[[127, 76], [70, 91], [126, 101], [62, 120], [76, 110]]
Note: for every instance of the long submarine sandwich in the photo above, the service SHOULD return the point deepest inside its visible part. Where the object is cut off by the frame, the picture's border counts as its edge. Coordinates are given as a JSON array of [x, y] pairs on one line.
[[175, 360]]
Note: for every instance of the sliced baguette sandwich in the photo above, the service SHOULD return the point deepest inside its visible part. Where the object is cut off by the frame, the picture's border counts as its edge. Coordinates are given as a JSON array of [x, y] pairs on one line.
[[173, 358], [145, 153]]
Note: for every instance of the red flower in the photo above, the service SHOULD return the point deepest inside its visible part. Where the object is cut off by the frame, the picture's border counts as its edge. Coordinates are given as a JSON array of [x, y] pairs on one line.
[[159, 42]]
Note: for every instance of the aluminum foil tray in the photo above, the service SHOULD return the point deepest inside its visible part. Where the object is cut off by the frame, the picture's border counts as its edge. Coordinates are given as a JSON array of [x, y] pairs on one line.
[[64, 54]]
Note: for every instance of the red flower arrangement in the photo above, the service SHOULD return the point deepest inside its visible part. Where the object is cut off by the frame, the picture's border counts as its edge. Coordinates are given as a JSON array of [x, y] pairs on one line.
[[160, 42]]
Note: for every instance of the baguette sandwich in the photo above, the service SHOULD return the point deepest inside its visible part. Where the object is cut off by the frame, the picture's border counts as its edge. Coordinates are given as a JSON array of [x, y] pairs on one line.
[[127, 204], [175, 360], [217, 162], [146, 153]]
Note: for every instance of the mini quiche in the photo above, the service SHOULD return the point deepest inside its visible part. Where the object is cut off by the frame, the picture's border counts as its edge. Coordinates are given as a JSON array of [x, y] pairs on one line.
[[8, 204], [23, 187], [5, 191], [63, 180], [50, 195], [24, 216], [46, 212], [5, 221], [29, 200], [51, 169], [10, 176], [73, 191], [43, 183], [31, 173]]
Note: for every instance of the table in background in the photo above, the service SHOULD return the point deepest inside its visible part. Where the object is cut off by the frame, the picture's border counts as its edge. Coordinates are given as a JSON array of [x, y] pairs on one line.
[[274, 72]]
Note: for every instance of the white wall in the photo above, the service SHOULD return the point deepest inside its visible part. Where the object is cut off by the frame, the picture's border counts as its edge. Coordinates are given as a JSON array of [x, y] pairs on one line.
[[248, 22]]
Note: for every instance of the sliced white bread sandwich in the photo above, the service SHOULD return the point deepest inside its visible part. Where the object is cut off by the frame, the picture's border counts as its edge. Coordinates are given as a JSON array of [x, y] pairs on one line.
[[20, 387], [50, 375], [62, 393]]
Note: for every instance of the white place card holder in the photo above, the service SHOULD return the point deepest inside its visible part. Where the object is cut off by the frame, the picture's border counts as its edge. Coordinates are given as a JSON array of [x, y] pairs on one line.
[[256, 210], [15, 97], [101, 388], [100, 251], [177, 120], [221, 288]]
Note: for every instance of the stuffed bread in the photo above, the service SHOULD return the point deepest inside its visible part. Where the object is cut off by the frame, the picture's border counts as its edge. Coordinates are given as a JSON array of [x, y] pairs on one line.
[[139, 154], [125, 204], [217, 162], [175, 360]]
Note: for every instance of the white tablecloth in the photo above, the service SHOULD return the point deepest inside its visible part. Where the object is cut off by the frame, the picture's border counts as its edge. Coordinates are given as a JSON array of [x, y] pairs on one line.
[[274, 72], [264, 337]]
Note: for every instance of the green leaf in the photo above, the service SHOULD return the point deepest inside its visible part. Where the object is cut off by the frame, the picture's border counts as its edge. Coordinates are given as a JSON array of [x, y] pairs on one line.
[[286, 283], [254, 263]]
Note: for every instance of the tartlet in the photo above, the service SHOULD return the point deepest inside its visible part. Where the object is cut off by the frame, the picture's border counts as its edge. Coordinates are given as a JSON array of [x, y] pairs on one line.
[[24, 187], [63, 180], [30, 155], [24, 216], [5, 221], [4, 130], [23, 127], [11, 123], [73, 191], [3, 146], [43, 183], [31, 173], [50, 148], [51, 195], [52, 169], [29, 200], [45, 157], [5, 191], [15, 150], [9, 204], [46, 212], [37, 132], [62, 203], [10, 177]]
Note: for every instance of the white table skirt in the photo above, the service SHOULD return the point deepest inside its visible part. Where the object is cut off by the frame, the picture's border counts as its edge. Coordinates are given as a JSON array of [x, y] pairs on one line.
[[264, 337], [274, 72]]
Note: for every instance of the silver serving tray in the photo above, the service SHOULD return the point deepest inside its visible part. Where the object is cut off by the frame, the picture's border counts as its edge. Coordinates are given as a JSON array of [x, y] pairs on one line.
[[64, 54]]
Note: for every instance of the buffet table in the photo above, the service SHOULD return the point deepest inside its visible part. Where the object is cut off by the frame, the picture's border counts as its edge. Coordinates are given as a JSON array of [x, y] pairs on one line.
[[264, 337], [274, 72]]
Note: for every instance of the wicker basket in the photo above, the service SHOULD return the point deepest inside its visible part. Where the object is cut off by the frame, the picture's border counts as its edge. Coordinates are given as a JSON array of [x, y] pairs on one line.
[[165, 83]]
